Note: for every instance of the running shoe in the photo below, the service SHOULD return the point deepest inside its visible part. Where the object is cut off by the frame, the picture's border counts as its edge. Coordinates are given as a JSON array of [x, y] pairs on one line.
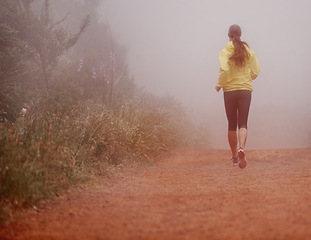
[[242, 158], [235, 161]]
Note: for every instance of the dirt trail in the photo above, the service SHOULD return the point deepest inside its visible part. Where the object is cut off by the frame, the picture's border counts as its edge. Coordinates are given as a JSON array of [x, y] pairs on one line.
[[189, 194]]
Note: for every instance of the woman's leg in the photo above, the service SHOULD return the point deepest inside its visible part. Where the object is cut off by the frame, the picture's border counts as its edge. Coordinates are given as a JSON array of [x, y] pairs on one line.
[[230, 99], [233, 142], [243, 105], [242, 137]]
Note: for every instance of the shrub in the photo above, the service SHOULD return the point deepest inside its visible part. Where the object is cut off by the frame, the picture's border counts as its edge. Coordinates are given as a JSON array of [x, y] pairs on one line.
[[44, 152]]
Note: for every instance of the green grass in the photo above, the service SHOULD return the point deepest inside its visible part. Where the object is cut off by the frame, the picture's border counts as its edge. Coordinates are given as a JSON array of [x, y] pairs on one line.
[[45, 151]]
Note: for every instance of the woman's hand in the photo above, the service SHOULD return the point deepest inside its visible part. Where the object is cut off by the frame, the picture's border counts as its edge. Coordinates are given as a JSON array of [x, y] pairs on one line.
[[217, 88]]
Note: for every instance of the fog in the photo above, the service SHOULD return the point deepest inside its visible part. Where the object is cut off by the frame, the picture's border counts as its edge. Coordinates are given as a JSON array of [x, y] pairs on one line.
[[173, 50]]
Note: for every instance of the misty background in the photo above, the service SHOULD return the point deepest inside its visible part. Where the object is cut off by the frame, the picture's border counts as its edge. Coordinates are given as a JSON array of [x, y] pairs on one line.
[[170, 49], [173, 49]]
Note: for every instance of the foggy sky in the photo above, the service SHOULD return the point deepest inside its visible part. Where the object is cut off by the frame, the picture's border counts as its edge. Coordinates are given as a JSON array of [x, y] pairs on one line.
[[174, 46]]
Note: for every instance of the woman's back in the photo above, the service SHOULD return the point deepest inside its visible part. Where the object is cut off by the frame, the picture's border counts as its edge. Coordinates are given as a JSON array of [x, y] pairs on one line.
[[237, 77]]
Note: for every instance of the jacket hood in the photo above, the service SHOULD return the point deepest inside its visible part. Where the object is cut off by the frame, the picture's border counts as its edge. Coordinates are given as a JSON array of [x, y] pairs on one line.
[[230, 47]]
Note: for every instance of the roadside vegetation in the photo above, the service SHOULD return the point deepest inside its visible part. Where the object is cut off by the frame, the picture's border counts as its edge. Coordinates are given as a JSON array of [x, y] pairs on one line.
[[69, 108]]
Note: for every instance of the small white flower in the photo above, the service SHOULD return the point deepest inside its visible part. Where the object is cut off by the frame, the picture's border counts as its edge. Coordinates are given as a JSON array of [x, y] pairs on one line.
[[23, 111]]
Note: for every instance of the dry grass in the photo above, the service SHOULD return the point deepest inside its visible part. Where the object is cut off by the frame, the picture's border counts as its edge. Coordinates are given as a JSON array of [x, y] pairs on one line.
[[45, 152]]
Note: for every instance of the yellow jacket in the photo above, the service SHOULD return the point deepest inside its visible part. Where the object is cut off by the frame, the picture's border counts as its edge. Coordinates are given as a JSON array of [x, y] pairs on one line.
[[233, 77]]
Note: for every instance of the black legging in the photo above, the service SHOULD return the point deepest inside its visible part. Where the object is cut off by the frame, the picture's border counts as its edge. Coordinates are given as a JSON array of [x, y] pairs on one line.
[[237, 105]]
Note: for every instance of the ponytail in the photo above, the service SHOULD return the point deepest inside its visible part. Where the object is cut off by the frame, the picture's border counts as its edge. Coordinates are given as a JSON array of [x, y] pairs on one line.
[[240, 54]]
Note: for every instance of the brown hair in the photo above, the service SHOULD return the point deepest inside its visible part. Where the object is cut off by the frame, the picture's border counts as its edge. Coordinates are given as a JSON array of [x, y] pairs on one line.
[[240, 52]]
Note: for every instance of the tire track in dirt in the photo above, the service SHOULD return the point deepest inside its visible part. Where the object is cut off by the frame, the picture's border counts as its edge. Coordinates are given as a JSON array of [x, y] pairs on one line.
[[187, 194]]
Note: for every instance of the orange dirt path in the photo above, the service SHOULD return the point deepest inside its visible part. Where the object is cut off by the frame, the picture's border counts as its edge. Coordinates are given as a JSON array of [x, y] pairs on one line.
[[188, 194]]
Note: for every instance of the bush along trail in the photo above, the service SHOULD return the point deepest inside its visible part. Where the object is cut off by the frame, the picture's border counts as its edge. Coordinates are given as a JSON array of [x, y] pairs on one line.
[[71, 112], [185, 194], [46, 152]]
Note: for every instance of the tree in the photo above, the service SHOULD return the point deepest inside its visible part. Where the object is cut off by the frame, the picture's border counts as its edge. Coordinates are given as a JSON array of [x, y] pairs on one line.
[[13, 58], [47, 38], [104, 74], [31, 44]]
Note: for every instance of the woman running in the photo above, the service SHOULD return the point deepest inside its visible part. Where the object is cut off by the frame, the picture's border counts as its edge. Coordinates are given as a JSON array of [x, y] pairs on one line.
[[238, 68]]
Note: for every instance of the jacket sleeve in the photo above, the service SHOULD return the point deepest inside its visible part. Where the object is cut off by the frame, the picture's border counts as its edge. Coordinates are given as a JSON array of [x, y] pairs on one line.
[[254, 66], [224, 69]]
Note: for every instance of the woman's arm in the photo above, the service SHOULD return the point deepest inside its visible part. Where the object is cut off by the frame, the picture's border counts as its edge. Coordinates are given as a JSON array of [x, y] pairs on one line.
[[254, 66], [217, 88], [223, 69]]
